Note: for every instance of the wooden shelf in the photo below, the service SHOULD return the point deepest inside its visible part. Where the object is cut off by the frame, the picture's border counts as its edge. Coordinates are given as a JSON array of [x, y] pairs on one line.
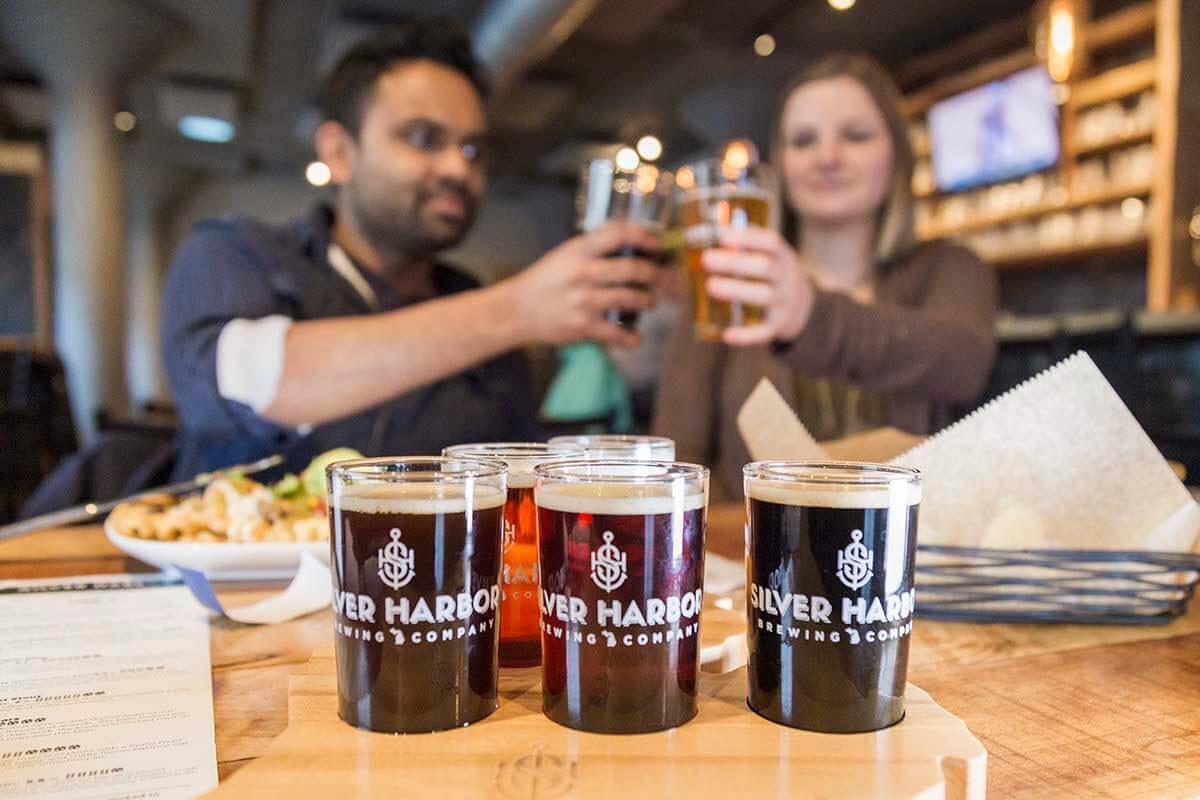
[[1114, 143], [1113, 84], [1091, 148], [1057, 255], [1121, 26], [1109, 195], [1114, 29], [936, 192], [1154, 33]]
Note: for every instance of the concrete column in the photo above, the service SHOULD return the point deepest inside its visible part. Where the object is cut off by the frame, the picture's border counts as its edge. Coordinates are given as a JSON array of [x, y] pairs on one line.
[[89, 280], [152, 191], [83, 50]]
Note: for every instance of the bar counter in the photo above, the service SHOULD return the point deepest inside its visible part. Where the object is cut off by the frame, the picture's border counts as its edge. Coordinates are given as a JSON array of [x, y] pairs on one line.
[[1095, 711]]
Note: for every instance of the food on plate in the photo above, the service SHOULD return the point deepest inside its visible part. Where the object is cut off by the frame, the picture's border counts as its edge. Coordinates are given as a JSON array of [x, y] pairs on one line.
[[235, 508]]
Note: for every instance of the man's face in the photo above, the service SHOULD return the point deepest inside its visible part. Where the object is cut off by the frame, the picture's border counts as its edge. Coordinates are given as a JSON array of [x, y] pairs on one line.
[[418, 171]]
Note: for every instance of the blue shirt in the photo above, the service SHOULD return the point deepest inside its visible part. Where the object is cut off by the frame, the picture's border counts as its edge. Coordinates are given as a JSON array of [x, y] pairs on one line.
[[232, 268]]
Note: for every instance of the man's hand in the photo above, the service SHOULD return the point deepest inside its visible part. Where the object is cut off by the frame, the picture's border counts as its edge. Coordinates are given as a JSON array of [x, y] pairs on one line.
[[563, 296]]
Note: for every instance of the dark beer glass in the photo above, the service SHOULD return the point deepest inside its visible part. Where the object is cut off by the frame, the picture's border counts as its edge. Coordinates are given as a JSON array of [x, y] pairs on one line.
[[520, 637], [640, 194], [620, 446], [415, 557], [621, 552], [830, 550]]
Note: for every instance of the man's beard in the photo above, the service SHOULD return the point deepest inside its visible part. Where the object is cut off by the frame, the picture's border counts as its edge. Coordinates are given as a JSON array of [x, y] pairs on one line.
[[399, 231]]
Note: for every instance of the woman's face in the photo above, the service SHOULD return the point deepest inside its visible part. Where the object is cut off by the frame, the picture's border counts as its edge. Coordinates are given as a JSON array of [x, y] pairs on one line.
[[837, 152]]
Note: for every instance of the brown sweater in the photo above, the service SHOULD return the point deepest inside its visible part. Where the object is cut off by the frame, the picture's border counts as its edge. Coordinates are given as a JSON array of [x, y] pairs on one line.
[[925, 346]]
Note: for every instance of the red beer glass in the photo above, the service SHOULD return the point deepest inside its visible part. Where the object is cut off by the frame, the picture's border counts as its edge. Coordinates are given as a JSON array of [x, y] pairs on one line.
[[621, 555]]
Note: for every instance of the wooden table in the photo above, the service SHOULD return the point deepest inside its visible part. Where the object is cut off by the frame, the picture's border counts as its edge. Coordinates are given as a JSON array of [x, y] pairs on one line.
[[1065, 711]]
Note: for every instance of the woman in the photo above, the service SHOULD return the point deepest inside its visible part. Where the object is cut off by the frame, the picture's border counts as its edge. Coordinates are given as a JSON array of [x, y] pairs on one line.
[[863, 327]]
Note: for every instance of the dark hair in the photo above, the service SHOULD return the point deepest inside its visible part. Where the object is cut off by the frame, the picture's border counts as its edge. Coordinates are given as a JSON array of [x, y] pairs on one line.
[[894, 235], [350, 82]]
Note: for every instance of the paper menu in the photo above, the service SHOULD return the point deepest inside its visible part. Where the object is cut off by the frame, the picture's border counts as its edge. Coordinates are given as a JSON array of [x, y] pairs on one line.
[[1058, 462], [105, 693]]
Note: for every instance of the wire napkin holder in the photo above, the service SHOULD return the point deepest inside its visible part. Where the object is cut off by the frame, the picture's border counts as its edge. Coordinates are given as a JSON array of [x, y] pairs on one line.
[[1081, 586]]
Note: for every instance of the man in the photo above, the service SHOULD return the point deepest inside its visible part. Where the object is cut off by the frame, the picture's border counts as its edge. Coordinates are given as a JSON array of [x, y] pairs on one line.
[[343, 329]]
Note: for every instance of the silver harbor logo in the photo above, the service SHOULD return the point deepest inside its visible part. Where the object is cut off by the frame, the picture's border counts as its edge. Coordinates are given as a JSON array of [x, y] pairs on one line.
[[854, 562], [396, 562], [610, 567]]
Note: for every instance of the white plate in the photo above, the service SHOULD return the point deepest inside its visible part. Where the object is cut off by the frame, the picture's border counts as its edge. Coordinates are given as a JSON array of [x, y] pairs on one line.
[[223, 561]]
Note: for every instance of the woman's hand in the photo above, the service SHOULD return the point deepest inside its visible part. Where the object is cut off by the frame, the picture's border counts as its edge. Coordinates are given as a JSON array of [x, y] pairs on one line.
[[755, 266]]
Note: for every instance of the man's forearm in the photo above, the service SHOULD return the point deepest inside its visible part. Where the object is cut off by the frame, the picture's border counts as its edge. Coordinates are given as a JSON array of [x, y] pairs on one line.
[[337, 367]]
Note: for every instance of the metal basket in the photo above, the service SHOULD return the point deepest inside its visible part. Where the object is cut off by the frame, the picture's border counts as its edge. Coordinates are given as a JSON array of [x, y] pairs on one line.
[[1082, 586]]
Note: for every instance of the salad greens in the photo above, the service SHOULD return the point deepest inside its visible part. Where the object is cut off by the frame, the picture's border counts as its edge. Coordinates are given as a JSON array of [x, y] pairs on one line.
[[310, 484]]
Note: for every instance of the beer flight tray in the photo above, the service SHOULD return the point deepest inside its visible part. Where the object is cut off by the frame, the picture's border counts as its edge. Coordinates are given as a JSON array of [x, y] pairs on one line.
[[1077, 586], [725, 751]]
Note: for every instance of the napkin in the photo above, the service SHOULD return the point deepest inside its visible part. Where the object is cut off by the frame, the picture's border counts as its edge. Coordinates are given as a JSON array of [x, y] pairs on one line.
[[309, 591], [771, 429], [1058, 462]]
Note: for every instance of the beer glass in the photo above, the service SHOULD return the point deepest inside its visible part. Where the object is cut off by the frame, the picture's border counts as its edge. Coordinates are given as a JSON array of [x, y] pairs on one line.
[[729, 191], [621, 553], [520, 637], [415, 556], [641, 195], [614, 446], [830, 549]]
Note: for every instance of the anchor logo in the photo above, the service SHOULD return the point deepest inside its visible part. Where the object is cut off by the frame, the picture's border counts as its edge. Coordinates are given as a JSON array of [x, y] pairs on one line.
[[609, 565], [510, 535], [396, 562], [537, 775], [854, 562]]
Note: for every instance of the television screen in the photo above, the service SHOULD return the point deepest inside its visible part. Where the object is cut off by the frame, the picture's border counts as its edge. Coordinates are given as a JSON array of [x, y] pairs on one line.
[[998, 131]]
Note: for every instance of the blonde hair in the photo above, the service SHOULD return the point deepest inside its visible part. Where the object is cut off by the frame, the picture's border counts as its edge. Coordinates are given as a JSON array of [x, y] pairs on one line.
[[894, 228]]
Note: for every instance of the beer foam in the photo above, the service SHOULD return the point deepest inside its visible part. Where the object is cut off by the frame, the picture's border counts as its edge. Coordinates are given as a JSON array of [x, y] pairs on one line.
[[822, 495], [418, 498], [520, 476], [617, 498], [520, 470], [725, 191]]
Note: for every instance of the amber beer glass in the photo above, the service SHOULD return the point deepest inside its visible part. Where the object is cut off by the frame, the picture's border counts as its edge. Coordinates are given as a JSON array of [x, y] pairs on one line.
[[830, 550], [621, 555], [724, 191], [520, 637], [621, 446], [415, 556]]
